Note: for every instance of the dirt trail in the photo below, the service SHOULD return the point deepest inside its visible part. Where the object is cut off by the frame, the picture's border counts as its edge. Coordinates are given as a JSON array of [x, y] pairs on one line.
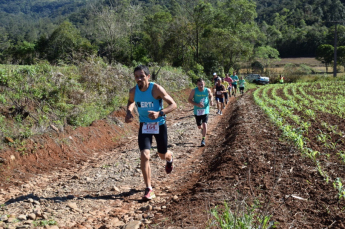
[[244, 161], [105, 190]]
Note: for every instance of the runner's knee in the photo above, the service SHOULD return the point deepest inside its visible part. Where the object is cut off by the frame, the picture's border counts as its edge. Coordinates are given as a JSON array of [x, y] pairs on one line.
[[145, 155]]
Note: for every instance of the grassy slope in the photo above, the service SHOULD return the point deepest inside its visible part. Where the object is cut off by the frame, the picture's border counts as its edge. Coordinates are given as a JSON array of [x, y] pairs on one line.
[[33, 98]]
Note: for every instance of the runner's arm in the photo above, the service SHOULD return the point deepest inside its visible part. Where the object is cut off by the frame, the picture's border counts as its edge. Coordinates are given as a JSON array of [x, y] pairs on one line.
[[160, 92], [191, 99], [210, 96], [224, 90], [130, 106], [213, 90]]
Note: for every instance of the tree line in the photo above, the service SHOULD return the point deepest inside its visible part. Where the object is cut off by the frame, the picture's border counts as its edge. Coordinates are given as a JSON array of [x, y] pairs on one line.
[[200, 36]]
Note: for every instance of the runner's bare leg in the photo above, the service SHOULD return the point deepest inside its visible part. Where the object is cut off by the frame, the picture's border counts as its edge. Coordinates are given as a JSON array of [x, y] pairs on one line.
[[145, 166], [204, 129]]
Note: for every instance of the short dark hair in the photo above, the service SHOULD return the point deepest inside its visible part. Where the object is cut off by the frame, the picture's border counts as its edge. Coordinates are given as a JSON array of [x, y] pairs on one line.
[[142, 67], [199, 80]]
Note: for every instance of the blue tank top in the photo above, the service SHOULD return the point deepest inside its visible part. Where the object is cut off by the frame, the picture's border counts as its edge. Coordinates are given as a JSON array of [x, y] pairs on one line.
[[201, 96], [145, 102]]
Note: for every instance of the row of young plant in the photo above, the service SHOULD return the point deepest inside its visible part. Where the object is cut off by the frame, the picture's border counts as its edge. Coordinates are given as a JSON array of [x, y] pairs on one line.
[[33, 98], [281, 112], [329, 99]]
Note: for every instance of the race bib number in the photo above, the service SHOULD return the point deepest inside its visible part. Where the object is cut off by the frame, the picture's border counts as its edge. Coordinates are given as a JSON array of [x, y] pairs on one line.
[[200, 112], [150, 128], [219, 92]]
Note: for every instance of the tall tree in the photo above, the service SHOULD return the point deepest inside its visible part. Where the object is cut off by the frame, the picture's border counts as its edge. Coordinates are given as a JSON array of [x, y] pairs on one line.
[[234, 23], [155, 27], [325, 54], [201, 16], [65, 41]]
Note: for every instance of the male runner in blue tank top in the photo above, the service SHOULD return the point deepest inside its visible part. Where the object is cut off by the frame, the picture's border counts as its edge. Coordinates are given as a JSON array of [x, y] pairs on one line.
[[148, 98], [201, 98]]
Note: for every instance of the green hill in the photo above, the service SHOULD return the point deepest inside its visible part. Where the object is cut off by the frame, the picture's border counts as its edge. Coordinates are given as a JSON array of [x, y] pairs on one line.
[[209, 33]]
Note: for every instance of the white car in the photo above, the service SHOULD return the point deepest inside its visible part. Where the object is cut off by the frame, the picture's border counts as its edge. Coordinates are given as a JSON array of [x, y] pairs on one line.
[[258, 79]]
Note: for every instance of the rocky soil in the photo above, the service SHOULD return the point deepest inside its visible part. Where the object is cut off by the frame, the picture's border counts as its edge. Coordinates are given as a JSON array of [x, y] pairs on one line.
[[105, 190], [244, 162]]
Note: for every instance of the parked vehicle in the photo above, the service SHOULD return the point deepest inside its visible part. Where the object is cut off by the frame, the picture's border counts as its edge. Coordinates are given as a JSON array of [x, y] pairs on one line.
[[258, 79]]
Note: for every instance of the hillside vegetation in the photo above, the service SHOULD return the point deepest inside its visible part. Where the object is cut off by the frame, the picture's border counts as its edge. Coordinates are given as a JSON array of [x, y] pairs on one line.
[[200, 36], [41, 98]]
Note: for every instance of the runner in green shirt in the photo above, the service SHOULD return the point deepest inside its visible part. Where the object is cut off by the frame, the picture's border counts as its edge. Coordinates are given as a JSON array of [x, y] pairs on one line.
[[234, 78], [201, 98], [242, 82]]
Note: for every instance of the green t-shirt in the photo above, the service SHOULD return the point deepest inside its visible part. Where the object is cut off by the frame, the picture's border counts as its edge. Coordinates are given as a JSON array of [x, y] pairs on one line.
[[242, 83], [234, 78], [201, 96]]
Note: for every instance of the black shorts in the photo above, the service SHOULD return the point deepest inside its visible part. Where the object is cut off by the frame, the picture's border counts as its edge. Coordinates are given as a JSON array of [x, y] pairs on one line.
[[221, 100], [226, 96], [241, 88], [201, 119], [145, 140], [234, 85]]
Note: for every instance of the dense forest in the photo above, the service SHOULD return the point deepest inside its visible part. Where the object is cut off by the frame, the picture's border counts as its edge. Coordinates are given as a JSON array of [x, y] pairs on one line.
[[196, 35]]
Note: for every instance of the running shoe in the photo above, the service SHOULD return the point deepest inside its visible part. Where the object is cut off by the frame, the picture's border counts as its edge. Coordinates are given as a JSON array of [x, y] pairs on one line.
[[220, 113], [169, 166], [149, 194], [203, 142]]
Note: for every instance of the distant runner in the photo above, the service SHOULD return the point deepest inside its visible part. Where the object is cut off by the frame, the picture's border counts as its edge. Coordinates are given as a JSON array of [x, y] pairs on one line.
[[226, 86], [229, 80], [234, 78], [215, 77], [242, 82], [201, 97], [220, 89], [148, 97], [281, 80]]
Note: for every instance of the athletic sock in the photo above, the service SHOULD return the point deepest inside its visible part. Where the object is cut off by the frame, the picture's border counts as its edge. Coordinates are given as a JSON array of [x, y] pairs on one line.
[[170, 160], [150, 187]]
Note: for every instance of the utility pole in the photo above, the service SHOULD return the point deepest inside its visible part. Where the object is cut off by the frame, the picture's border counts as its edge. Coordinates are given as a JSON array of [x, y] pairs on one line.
[[335, 51]]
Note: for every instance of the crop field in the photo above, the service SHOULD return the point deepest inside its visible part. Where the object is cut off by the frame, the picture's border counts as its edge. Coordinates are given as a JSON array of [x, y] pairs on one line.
[[311, 116]]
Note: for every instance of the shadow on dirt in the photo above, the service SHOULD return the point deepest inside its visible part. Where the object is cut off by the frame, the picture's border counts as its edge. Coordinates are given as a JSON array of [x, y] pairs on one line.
[[58, 199]]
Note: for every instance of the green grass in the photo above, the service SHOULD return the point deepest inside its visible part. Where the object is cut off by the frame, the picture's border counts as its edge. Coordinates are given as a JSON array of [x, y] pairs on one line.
[[243, 217], [32, 98], [44, 223]]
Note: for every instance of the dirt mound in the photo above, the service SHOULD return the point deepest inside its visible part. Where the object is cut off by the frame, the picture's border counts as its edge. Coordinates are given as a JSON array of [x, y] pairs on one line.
[[56, 150]]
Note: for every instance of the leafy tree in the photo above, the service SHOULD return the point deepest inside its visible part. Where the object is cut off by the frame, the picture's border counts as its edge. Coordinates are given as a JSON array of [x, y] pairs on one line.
[[325, 54], [234, 34], [155, 27], [66, 41], [341, 55], [24, 53], [266, 55], [201, 17], [4, 41]]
